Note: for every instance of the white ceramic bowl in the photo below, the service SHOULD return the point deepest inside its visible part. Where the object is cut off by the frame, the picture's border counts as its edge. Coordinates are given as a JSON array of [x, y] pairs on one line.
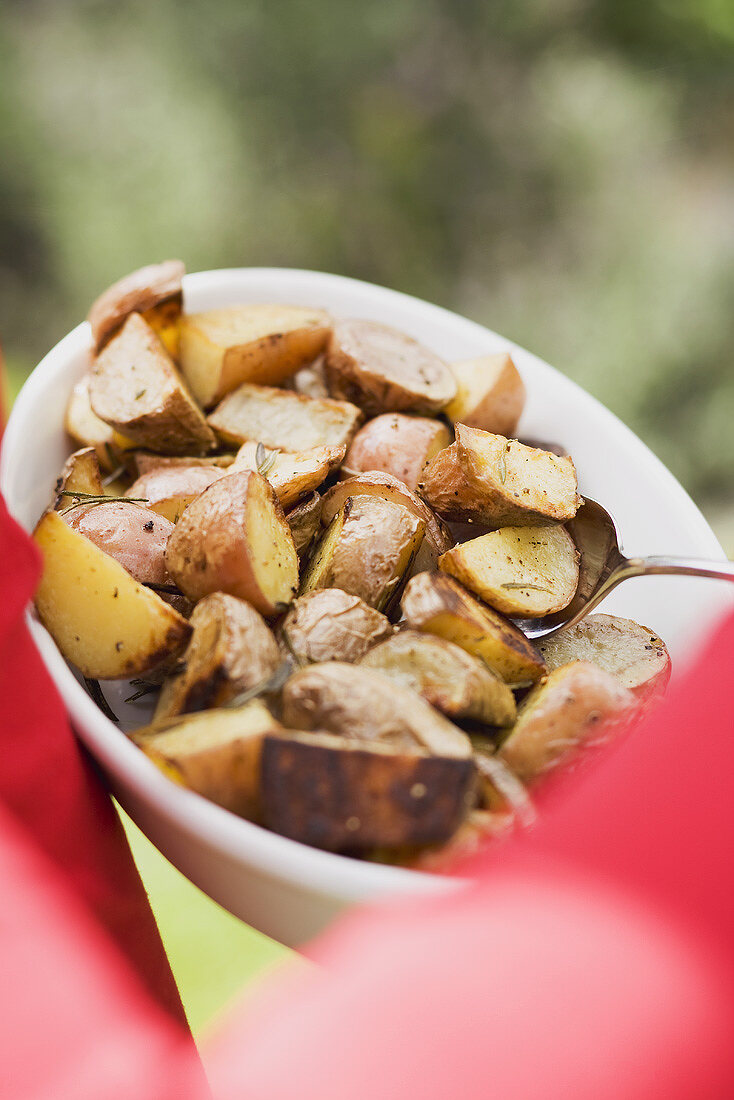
[[283, 888]]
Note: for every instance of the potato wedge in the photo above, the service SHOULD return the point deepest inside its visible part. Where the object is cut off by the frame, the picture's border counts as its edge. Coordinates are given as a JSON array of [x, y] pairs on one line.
[[578, 705], [437, 539], [215, 753], [635, 655], [283, 421], [235, 538], [103, 621], [367, 551], [397, 444], [86, 428], [142, 462], [170, 489], [304, 521], [382, 370], [154, 291], [446, 676], [490, 394], [361, 703], [310, 380], [500, 482], [436, 604], [136, 388], [132, 535], [323, 790], [231, 650], [265, 344], [332, 625], [526, 572], [293, 475], [81, 474]]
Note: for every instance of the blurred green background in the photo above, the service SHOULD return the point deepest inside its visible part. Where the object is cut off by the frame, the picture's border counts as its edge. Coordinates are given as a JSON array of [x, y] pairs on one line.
[[561, 170]]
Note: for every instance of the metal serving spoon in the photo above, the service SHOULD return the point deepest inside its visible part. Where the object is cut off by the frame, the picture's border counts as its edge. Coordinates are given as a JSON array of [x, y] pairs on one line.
[[603, 566]]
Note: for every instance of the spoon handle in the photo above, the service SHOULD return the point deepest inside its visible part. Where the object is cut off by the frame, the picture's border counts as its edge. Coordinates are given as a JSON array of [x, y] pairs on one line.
[[689, 567]]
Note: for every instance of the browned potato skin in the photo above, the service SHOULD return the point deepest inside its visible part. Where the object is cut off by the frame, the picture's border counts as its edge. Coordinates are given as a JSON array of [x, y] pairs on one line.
[[335, 794], [304, 520], [509, 489], [633, 653], [282, 420], [397, 444], [446, 676], [231, 650], [332, 625], [146, 289], [168, 490], [81, 473], [382, 370], [490, 394], [579, 705], [211, 550], [136, 388], [142, 462], [133, 536]]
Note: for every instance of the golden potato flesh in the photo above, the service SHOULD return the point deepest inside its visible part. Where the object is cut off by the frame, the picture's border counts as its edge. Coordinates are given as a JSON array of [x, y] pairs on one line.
[[293, 475], [437, 604], [445, 675], [265, 344], [154, 291], [397, 444], [367, 551], [490, 394], [283, 421], [499, 482], [81, 475], [231, 650], [86, 428], [103, 621], [526, 572], [170, 489], [382, 370], [235, 538], [142, 462], [132, 535], [332, 625]]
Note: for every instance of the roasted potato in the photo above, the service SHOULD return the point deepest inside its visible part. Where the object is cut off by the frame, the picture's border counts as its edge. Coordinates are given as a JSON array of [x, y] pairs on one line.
[[86, 428], [222, 348], [490, 394], [526, 572], [304, 520], [383, 370], [235, 538], [142, 462], [578, 705], [130, 534], [283, 421], [632, 653], [398, 445], [81, 475], [215, 753], [436, 604], [446, 676], [499, 482], [293, 475], [501, 790], [231, 650], [310, 380], [136, 388], [170, 489], [360, 703], [336, 794], [437, 539], [103, 620], [367, 550], [154, 291], [332, 625]]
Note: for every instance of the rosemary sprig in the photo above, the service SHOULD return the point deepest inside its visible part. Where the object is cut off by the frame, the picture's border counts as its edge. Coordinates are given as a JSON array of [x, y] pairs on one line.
[[502, 463], [97, 694], [264, 459], [273, 682], [520, 585], [113, 476], [297, 658], [144, 687], [93, 499]]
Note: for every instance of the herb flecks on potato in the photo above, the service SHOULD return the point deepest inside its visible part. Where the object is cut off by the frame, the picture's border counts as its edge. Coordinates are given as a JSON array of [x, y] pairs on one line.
[[293, 474], [397, 444], [283, 421]]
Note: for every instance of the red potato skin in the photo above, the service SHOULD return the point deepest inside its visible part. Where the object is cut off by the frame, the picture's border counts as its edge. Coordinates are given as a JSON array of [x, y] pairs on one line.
[[134, 293], [397, 444], [133, 536]]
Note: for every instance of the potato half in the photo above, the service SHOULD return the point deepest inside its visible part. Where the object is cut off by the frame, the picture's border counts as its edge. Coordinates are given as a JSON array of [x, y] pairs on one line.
[[154, 291], [103, 621], [129, 533], [635, 655], [231, 650], [323, 790], [86, 428], [367, 550], [578, 705], [397, 444], [215, 753], [283, 421], [222, 348], [235, 538], [383, 370], [446, 676], [490, 394], [304, 520], [500, 482], [81, 474], [436, 604], [332, 625], [170, 489], [526, 572], [136, 388], [293, 475]]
